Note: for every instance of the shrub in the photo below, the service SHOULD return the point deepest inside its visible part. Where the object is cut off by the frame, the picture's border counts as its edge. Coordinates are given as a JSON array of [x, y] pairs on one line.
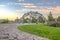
[[55, 24]]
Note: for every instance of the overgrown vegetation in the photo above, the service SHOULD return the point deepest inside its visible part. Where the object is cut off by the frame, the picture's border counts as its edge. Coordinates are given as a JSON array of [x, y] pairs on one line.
[[4, 21], [33, 17], [43, 30], [50, 17], [53, 21]]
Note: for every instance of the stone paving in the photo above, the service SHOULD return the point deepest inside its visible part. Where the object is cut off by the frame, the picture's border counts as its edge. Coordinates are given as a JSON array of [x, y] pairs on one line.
[[10, 32]]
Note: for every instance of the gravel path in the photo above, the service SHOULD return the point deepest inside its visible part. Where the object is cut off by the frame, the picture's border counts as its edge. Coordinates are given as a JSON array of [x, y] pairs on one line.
[[10, 32]]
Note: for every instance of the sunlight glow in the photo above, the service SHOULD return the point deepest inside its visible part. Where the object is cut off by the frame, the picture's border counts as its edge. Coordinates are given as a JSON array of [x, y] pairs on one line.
[[4, 14]]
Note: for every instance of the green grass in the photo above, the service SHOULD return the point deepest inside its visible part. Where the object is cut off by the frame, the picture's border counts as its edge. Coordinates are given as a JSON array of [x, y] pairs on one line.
[[42, 30]]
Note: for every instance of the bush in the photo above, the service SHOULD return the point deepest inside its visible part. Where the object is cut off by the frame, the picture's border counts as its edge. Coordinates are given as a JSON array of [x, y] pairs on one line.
[[5, 21], [55, 24]]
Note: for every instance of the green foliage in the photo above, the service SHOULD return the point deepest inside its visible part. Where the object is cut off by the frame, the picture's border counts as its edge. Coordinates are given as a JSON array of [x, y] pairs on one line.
[[34, 20], [43, 30], [58, 19], [50, 17], [41, 20], [33, 17], [5, 21], [55, 24], [24, 20]]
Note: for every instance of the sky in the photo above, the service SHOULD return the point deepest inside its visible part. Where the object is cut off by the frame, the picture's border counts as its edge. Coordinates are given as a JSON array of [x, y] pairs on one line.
[[12, 9]]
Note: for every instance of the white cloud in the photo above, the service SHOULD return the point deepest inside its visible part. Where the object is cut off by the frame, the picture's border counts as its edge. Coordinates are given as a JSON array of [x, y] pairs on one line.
[[41, 9], [22, 4], [22, 11], [30, 6], [2, 5], [21, 0]]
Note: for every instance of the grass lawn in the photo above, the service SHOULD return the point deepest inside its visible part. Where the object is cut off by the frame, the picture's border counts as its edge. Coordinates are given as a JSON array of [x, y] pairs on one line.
[[42, 30]]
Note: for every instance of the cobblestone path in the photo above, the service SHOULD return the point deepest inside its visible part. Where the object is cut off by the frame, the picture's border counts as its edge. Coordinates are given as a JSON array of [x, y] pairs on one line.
[[10, 32]]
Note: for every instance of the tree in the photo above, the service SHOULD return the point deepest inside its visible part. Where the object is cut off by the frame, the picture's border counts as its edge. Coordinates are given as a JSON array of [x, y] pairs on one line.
[[50, 17], [58, 19], [33, 17], [24, 20], [34, 20], [5, 21]]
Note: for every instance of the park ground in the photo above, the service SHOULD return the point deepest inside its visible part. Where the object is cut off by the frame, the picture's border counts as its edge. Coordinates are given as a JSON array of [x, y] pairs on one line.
[[43, 30], [11, 32]]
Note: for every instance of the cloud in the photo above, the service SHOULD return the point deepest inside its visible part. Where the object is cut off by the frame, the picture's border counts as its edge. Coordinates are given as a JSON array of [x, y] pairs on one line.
[[42, 9], [22, 11], [26, 7], [21, 0], [50, 3], [57, 10], [45, 10], [30, 6], [2, 5], [22, 4]]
